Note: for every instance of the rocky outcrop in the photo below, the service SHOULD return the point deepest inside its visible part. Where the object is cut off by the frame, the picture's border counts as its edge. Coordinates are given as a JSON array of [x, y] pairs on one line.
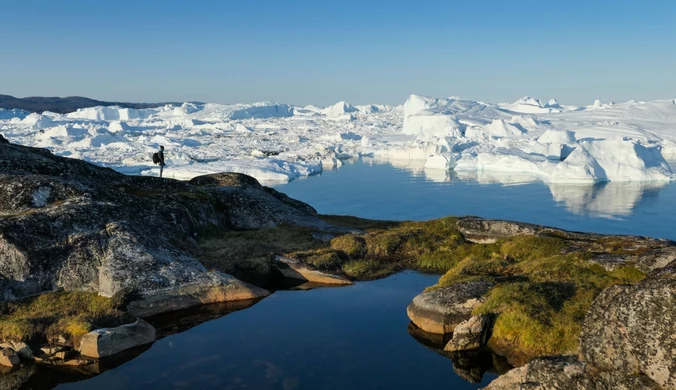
[[68, 224], [566, 372], [627, 342], [470, 334], [632, 329], [441, 310], [293, 269], [609, 251], [106, 342]]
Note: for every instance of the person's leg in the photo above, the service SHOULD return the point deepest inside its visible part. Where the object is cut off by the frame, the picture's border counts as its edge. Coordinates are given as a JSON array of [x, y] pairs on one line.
[[161, 169]]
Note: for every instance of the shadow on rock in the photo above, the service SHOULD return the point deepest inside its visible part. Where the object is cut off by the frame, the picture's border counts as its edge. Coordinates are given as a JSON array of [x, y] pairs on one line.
[[469, 365], [179, 321]]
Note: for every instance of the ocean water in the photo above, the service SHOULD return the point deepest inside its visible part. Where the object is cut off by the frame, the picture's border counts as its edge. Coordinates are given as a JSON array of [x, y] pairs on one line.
[[406, 191], [359, 337]]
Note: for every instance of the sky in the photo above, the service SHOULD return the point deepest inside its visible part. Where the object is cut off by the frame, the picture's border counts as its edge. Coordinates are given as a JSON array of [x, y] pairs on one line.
[[321, 52]]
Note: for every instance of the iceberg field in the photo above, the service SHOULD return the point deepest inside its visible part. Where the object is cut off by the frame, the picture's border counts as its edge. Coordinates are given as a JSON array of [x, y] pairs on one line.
[[624, 142]]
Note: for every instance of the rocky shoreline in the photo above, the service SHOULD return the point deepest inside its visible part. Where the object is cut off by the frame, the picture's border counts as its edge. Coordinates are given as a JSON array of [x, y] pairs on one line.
[[106, 253]]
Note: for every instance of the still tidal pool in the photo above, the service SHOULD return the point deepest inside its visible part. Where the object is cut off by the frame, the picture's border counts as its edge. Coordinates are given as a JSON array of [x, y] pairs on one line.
[[359, 337]]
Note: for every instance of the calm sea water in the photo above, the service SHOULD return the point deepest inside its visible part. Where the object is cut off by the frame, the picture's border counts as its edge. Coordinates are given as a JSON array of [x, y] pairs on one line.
[[408, 192], [357, 337]]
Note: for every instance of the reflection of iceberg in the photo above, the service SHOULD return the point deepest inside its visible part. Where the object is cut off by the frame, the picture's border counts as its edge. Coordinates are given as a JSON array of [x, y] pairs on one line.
[[505, 178], [605, 200]]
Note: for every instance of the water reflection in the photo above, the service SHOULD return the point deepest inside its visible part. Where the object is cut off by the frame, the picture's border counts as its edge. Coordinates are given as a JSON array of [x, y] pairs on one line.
[[604, 200], [600, 200], [49, 376], [469, 365]]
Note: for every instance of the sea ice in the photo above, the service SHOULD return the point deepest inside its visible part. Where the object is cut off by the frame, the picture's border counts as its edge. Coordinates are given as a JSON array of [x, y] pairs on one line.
[[506, 142]]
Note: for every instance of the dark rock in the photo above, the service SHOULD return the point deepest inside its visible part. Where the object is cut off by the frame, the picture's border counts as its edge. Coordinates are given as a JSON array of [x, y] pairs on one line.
[[228, 179], [441, 310], [22, 349], [9, 358], [68, 224]]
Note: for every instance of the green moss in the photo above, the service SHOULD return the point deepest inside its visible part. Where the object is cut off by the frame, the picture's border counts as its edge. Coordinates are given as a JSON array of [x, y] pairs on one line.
[[69, 313], [353, 246], [531, 247], [322, 259], [358, 223], [540, 302], [367, 269]]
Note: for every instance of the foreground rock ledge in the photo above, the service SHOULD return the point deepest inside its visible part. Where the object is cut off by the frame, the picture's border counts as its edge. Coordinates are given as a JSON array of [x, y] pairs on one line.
[[217, 288], [441, 310], [295, 270], [106, 342]]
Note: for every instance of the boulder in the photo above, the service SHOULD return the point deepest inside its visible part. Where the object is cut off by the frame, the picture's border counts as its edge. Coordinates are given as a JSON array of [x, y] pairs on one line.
[[441, 310], [22, 349], [293, 269], [9, 358], [631, 329], [106, 342], [470, 334], [481, 230]]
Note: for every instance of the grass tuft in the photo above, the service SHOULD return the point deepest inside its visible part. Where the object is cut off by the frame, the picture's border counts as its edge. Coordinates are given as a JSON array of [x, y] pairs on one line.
[[58, 313]]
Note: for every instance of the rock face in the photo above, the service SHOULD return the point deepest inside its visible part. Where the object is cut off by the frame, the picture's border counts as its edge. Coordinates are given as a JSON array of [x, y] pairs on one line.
[[566, 372], [68, 224], [110, 341], [470, 334], [295, 270], [441, 310], [632, 329]]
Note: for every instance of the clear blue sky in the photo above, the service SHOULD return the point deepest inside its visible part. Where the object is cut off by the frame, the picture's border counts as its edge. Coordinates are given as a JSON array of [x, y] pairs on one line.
[[320, 52]]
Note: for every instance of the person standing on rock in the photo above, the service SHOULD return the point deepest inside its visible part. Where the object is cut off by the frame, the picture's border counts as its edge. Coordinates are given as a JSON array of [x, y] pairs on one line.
[[158, 158]]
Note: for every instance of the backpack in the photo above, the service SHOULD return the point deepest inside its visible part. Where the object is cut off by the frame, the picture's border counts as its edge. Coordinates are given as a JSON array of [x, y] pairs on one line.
[[156, 158]]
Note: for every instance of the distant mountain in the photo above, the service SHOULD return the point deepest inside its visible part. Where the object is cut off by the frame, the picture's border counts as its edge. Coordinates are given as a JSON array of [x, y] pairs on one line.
[[64, 105]]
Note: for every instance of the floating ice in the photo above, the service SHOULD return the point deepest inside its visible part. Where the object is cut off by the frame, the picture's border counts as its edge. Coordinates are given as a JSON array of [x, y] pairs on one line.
[[511, 142]]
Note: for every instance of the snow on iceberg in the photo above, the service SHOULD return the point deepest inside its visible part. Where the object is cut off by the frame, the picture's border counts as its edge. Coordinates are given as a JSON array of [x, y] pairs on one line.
[[340, 108], [557, 136], [612, 160]]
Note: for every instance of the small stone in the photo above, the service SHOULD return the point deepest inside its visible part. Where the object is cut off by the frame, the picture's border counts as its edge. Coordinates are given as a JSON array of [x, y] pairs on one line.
[[470, 334], [110, 341], [9, 358], [51, 350], [64, 354], [78, 362], [22, 349]]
